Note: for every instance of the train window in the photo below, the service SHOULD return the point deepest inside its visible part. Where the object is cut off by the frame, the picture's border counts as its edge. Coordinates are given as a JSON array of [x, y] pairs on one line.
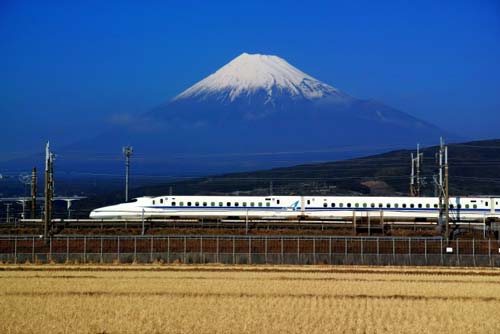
[[308, 201], [412, 205], [372, 205], [181, 203], [459, 206], [388, 205], [278, 202], [221, 204], [364, 205], [228, 203], [435, 206], [325, 205], [236, 204], [467, 206], [486, 203], [396, 205], [260, 203], [427, 205], [161, 200], [356, 205], [252, 204], [212, 204], [204, 203], [153, 202], [197, 203], [404, 205], [173, 203], [341, 205], [348, 205], [244, 203], [268, 204], [451, 206], [475, 206], [380, 205], [420, 205], [189, 203], [333, 205]]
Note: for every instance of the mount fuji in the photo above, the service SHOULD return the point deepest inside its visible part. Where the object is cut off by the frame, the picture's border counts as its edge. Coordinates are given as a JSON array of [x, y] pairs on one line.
[[258, 111]]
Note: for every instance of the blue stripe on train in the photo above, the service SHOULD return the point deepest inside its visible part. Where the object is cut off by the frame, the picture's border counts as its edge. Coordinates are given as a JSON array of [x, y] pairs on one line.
[[308, 209]]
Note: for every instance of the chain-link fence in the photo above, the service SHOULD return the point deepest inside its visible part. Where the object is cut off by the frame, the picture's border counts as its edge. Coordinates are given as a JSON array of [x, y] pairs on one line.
[[250, 250]]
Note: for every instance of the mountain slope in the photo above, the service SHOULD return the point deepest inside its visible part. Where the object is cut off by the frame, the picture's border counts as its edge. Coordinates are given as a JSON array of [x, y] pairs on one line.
[[474, 170], [261, 104]]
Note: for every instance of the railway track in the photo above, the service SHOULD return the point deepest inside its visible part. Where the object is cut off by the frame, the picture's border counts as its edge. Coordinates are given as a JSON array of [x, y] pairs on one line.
[[373, 224]]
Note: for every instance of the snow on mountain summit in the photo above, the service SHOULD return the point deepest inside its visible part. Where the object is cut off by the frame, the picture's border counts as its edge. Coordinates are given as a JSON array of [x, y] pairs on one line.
[[251, 73]]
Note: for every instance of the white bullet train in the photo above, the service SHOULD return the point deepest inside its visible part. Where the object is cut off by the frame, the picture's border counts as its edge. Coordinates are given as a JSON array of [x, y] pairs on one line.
[[322, 207]]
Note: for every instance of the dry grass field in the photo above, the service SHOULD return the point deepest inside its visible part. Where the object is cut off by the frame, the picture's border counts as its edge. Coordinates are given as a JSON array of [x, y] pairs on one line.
[[251, 299]]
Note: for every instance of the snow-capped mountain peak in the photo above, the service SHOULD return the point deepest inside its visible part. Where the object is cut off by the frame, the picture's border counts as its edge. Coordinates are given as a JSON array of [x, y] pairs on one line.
[[251, 73]]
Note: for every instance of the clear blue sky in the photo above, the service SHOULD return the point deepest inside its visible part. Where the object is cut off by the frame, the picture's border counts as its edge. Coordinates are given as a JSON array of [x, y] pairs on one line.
[[76, 65]]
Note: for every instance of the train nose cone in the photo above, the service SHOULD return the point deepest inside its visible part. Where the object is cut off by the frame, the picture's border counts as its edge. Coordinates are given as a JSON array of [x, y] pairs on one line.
[[93, 214]]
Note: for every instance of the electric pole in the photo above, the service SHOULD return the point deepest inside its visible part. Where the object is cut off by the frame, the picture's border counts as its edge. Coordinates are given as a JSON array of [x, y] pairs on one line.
[[127, 152], [419, 165], [33, 193], [49, 191], [412, 177], [444, 194], [415, 180], [447, 192]]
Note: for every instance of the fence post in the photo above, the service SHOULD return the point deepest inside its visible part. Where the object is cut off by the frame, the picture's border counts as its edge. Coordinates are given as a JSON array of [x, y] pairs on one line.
[[67, 249], [15, 250], [84, 249], [394, 250], [345, 250], [409, 250], [425, 250], [135, 248], [458, 257], [378, 251], [118, 248], [282, 260], [442, 260], [298, 250], [184, 259], [50, 248], [201, 250], [265, 248], [474, 252], [102, 241], [249, 250], [234, 242], [330, 249], [489, 251], [362, 259], [151, 250], [168, 249], [217, 251], [33, 251], [314, 250]]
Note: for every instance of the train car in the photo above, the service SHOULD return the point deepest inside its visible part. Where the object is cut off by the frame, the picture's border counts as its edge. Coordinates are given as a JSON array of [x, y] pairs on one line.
[[298, 206]]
